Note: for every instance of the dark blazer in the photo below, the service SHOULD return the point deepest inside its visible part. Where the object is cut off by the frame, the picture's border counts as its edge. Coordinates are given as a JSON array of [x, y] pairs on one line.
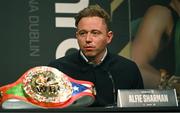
[[125, 74]]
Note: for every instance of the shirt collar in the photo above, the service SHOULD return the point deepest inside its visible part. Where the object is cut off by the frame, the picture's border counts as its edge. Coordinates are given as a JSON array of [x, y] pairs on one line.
[[102, 59]]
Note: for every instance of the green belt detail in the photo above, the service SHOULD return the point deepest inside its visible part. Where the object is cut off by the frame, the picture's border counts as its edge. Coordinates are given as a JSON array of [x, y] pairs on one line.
[[16, 90]]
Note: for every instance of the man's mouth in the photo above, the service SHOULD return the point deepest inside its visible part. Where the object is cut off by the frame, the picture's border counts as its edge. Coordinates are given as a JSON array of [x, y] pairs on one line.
[[89, 48]]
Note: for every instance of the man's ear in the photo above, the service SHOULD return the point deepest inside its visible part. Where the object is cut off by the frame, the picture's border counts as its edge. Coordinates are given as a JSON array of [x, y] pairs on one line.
[[76, 34], [110, 36]]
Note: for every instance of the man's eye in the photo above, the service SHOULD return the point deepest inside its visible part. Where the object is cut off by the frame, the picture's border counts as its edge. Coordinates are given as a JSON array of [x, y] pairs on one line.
[[96, 32], [81, 33]]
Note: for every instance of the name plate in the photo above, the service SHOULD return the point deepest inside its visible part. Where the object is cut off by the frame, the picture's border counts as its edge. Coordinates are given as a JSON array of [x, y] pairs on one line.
[[146, 98]]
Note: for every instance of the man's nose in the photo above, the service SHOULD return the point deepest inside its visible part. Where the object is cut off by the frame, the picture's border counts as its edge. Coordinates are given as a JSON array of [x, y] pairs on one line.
[[88, 37]]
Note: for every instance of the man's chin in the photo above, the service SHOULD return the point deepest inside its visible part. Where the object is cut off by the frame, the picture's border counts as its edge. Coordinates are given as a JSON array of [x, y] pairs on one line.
[[89, 55]]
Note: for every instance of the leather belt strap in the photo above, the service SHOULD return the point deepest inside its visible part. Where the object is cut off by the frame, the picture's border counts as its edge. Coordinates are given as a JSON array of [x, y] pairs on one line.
[[47, 87]]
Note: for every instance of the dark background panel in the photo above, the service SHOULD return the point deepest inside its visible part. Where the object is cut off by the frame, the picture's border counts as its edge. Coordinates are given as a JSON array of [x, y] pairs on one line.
[[30, 38]]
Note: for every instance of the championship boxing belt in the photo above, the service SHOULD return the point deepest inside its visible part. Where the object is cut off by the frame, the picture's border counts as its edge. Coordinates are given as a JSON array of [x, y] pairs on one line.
[[47, 87]]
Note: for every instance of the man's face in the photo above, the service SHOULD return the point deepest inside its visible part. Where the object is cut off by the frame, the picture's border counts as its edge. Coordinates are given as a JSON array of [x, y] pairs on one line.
[[92, 36]]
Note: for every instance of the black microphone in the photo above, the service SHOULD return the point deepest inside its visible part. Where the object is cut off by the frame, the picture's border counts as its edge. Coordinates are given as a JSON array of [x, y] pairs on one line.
[[113, 89]]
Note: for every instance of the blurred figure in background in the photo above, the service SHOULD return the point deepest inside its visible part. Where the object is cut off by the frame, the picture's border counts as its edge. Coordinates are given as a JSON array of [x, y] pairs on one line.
[[157, 41]]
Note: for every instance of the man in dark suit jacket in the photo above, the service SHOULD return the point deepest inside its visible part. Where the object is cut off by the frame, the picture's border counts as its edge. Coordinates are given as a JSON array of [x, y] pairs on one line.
[[94, 63]]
